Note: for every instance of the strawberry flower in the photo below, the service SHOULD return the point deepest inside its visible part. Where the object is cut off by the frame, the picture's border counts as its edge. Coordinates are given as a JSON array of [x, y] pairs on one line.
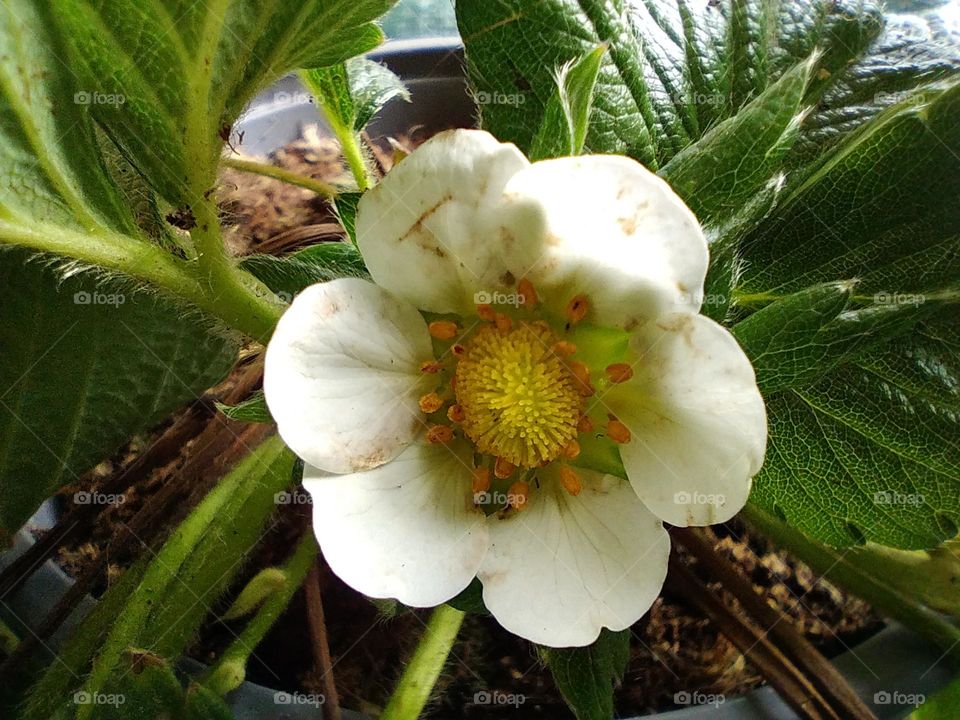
[[532, 331]]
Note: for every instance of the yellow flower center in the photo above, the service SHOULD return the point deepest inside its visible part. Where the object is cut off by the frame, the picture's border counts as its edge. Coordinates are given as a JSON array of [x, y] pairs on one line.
[[519, 400]]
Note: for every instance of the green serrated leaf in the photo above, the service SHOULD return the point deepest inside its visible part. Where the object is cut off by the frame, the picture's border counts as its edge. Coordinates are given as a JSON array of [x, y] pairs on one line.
[[84, 365], [721, 171], [566, 119], [586, 676], [253, 409], [798, 338], [168, 79], [673, 70], [881, 209], [868, 451], [288, 275]]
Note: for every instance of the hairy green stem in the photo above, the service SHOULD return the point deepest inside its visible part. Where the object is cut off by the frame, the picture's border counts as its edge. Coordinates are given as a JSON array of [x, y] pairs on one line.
[[415, 685], [231, 670], [218, 288], [353, 154], [278, 173], [841, 567]]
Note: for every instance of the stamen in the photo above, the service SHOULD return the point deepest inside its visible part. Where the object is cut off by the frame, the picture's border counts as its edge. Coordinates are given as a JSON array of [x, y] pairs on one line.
[[486, 312], [481, 480], [440, 434], [504, 323], [517, 495], [619, 372], [582, 373], [564, 348], [520, 401], [584, 425], [528, 296], [577, 309], [455, 413], [570, 480], [430, 403], [458, 350], [571, 450], [443, 329], [503, 468], [431, 367], [618, 432]]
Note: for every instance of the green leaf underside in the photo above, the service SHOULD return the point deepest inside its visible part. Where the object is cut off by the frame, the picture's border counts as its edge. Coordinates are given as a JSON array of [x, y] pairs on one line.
[[869, 451], [84, 366], [161, 603], [586, 676], [351, 93], [185, 70], [317, 263], [563, 130]]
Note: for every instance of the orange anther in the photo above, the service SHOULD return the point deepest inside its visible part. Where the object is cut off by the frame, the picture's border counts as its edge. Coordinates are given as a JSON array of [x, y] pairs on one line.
[[504, 323], [619, 372], [528, 296], [481, 480], [458, 349], [577, 309], [584, 424], [440, 434], [570, 480], [486, 312], [430, 366], [618, 432], [564, 348], [455, 413], [571, 450], [517, 495], [443, 329], [503, 468], [430, 403], [582, 374]]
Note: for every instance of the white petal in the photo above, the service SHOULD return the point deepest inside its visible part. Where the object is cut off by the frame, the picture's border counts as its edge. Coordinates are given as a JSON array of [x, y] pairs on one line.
[[697, 421], [406, 530], [614, 232], [342, 375], [429, 230], [565, 567]]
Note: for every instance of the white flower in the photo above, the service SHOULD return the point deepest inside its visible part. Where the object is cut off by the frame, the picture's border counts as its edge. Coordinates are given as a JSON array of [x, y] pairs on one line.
[[528, 326]]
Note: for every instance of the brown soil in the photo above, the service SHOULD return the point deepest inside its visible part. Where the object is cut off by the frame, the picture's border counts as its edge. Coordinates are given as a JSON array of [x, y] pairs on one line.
[[674, 648]]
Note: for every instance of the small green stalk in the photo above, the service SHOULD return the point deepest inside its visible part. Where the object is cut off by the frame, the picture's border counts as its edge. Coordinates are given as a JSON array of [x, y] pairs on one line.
[[841, 567], [278, 173], [415, 685], [353, 154], [230, 671]]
